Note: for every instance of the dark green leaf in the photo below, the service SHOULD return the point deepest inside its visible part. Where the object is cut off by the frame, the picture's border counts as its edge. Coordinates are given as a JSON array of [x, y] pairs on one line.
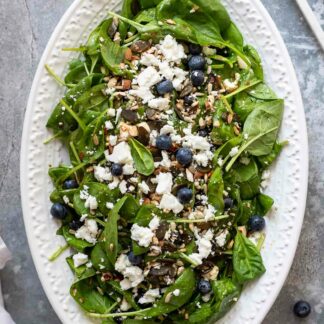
[[79, 244], [86, 295], [216, 189], [262, 126], [143, 158], [247, 261]]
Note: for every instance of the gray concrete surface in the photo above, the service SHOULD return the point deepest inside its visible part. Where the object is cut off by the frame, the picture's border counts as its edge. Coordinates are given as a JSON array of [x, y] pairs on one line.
[[25, 28]]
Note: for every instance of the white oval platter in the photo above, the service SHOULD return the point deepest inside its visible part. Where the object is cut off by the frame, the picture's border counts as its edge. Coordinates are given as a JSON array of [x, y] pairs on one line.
[[288, 182]]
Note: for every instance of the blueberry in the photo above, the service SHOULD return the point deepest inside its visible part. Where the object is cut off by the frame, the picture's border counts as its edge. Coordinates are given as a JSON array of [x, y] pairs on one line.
[[163, 142], [70, 184], [75, 225], [197, 62], [203, 132], [194, 49], [184, 156], [189, 100], [302, 309], [164, 87], [256, 223], [135, 259], [204, 286], [184, 195], [228, 203], [116, 169], [197, 78], [58, 211]]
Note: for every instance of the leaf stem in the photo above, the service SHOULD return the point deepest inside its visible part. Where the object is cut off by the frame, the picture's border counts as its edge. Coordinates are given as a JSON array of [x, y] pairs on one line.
[[243, 88], [55, 76], [68, 174], [73, 114], [260, 242], [139, 312], [245, 146], [100, 222], [58, 252], [189, 260], [52, 138], [201, 220], [74, 49], [227, 105]]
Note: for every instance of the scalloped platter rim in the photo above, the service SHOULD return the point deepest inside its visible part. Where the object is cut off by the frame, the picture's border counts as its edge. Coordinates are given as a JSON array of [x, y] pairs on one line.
[[288, 183]]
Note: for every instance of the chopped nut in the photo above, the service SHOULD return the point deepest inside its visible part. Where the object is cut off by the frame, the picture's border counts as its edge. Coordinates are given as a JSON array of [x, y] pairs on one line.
[[242, 229], [140, 46], [126, 84], [211, 275], [236, 130], [128, 54], [170, 22], [168, 297], [95, 140], [229, 118]]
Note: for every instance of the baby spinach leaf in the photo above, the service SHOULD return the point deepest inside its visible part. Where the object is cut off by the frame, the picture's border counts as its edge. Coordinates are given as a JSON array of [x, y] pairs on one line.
[[226, 293], [110, 234], [79, 244], [129, 209], [255, 60], [262, 92], [128, 295], [186, 283], [99, 258], [113, 55], [143, 158], [267, 160], [264, 204], [60, 121], [224, 150], [82, 272], [262, 126], [86, 295], [247, 261], [233, 35], [202, 314], [92, 99], [216, 189], [247, 176], [149, 3], [102, 193]]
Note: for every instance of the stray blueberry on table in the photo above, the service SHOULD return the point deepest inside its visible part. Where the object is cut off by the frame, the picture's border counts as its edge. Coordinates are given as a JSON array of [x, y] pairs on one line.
[[188, 100], [70, 184], [184, 156], [184, 195], [58, 211], [204, 286], [164, 87], [228, 203], [197, 78], [256, 223], [134, 259], [75, 224], [163, 142], [302, 309], [116, 169], [194, 49], [197, 62]]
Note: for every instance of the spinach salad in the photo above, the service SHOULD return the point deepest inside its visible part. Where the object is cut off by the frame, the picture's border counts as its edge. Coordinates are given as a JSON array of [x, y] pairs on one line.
[[170, 130]]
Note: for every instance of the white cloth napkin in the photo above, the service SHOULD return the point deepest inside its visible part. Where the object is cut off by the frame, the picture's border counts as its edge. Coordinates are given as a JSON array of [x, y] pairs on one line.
[[5, 255]]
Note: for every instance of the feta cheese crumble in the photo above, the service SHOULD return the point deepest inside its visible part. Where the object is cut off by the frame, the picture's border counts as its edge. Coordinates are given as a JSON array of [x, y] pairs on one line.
[[142, 235], [88, 231], [133, 275], [170, 202], [150, 296], [79, 259], [164, 181]]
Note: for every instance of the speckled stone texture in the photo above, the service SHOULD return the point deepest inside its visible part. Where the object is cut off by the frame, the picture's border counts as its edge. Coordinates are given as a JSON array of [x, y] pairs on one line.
[[26, 26]]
